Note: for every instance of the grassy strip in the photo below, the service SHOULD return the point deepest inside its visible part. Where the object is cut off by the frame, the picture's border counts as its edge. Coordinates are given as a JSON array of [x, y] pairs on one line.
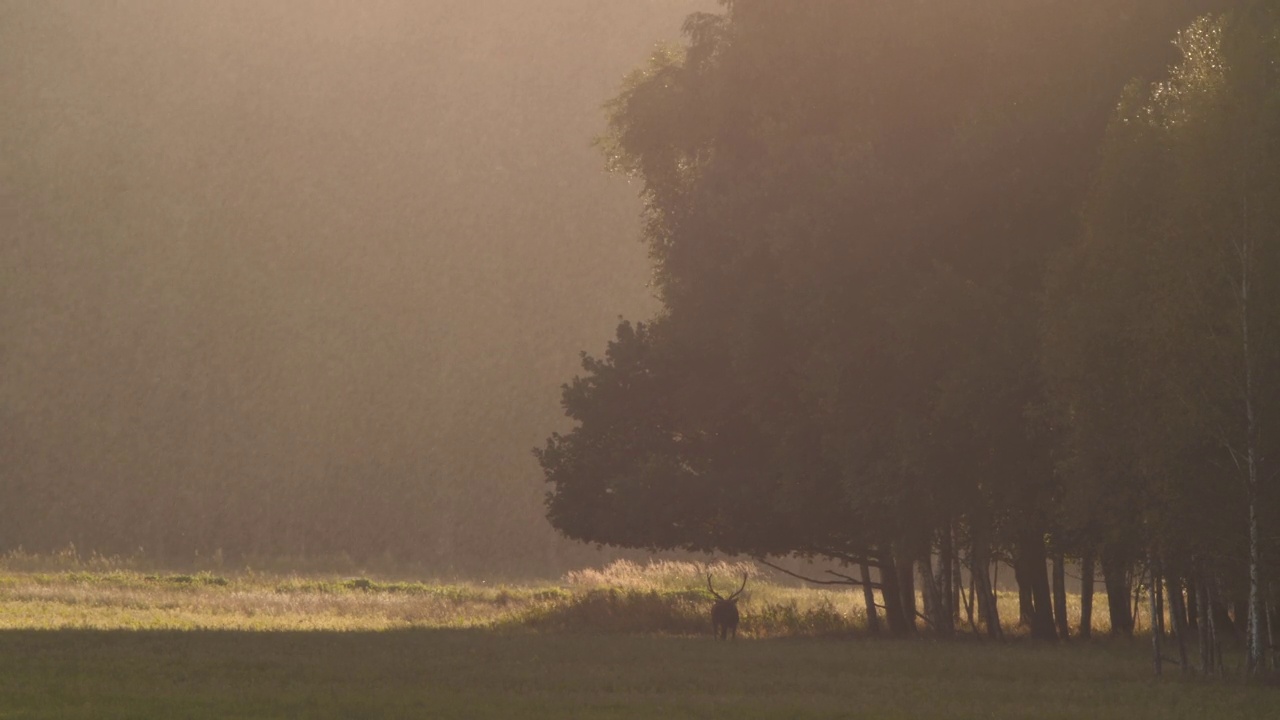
[[666, 598]]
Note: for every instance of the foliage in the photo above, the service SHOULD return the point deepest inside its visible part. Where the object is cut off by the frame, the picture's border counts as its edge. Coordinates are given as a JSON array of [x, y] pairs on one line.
[[1162, 321], [849, 209]]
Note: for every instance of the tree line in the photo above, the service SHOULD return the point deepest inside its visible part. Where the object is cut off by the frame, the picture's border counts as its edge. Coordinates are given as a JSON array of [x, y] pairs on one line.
[[950, 283]]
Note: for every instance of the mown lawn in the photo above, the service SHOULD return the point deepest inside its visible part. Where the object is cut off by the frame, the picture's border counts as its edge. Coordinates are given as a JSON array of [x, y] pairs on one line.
[[523, 674]]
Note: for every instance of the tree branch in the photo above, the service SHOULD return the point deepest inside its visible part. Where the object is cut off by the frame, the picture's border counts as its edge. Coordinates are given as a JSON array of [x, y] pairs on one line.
[[851, 559], [846, 580]]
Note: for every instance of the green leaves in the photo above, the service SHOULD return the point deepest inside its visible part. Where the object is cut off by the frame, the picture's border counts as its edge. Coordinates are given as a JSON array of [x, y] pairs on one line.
[[1149, 328]]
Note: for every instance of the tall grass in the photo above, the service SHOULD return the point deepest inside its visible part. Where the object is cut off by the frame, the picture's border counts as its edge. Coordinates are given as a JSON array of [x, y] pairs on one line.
[[661, 597]]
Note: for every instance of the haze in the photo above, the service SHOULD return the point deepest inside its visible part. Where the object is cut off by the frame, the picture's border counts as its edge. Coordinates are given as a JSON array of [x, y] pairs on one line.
[[303, 278]]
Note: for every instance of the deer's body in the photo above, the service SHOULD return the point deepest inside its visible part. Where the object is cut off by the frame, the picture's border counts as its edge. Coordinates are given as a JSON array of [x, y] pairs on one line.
[[724, 613]]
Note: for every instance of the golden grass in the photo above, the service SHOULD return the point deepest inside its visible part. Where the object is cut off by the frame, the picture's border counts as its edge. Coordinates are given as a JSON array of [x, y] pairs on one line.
[[765, 596], [71, 601], [661, 596]]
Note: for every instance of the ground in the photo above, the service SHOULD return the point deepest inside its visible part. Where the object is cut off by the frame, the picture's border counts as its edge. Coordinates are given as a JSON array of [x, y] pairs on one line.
[[487, 674], [125, 644]]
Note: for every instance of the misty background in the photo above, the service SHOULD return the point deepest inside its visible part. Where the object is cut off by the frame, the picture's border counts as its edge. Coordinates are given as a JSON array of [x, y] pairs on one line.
[[303, 278]]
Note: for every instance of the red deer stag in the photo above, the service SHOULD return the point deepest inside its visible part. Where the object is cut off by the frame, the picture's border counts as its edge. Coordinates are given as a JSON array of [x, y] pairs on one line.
[[724, 613]]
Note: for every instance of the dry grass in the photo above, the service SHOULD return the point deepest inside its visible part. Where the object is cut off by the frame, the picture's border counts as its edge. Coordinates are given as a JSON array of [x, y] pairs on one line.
[[661, 597], [132, 601], [623, 642], [771, 608]]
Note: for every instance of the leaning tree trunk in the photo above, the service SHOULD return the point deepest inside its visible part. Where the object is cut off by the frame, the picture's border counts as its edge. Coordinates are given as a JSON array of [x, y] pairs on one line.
[[869, 598], [980, 583], [1271, 636], [1060, 595], [1086, 595]]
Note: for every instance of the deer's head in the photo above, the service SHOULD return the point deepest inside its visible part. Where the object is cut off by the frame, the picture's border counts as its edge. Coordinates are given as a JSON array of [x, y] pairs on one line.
[[732, 599], [724, 613]]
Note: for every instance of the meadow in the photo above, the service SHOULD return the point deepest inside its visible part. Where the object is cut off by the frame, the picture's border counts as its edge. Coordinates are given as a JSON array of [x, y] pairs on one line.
[[97, 641]]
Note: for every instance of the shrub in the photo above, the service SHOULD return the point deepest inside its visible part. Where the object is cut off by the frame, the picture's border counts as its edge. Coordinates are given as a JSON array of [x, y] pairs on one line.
[[678, 612]]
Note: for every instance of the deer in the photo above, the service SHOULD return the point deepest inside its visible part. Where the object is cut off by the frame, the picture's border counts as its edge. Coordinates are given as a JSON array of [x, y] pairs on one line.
[[724, 613]]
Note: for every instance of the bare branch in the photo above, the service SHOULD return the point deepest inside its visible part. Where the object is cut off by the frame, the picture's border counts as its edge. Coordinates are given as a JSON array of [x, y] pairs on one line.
[[844, 581], [850, 559]]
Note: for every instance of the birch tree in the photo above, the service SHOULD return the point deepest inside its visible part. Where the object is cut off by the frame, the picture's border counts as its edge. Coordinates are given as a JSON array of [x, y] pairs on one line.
[[1177, 274]]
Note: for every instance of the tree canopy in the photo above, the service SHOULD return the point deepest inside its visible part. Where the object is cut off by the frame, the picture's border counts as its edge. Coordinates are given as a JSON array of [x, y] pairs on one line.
[[880, 337]]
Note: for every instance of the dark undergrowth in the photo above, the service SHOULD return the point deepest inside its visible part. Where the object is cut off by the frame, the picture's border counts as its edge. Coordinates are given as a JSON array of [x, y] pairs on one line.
[[683, 612]]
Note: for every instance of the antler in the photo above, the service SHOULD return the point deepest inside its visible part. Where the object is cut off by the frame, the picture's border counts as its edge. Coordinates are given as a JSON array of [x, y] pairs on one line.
[[744, 587], [713, 590]]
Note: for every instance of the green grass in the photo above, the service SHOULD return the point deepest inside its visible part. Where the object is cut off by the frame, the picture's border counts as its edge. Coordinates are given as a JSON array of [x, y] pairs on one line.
[[624, 642], [488, 674]]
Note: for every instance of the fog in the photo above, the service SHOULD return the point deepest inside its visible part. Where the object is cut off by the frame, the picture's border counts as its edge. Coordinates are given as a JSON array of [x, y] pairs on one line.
[[304, 278]]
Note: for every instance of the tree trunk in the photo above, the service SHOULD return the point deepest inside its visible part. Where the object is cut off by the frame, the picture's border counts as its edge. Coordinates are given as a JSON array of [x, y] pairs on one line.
[[1153, 591], [1178, 615], [968, 601], [1271, 637], [946, 578], [1086, 595], [1257, 650], [1215, 616], [869, 598], [937, 611], [984, 593], [1204, 634], [1222, 622], [1193, 610], [1060, 595], [907, 589], [1137, 605], [973, 598], [1256, 654], [1031, 559], [928, 597], [1026, 604], [957, 579], [1115, 575], [946, 575], [894, 616], [1158, 616]]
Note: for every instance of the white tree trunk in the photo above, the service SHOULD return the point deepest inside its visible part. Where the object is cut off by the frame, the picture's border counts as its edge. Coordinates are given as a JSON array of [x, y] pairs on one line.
[[1153, 589], [1256, 649]]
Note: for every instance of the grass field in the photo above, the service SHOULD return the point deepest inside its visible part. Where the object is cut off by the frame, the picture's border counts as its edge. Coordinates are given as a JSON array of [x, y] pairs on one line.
[[626, 643]]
